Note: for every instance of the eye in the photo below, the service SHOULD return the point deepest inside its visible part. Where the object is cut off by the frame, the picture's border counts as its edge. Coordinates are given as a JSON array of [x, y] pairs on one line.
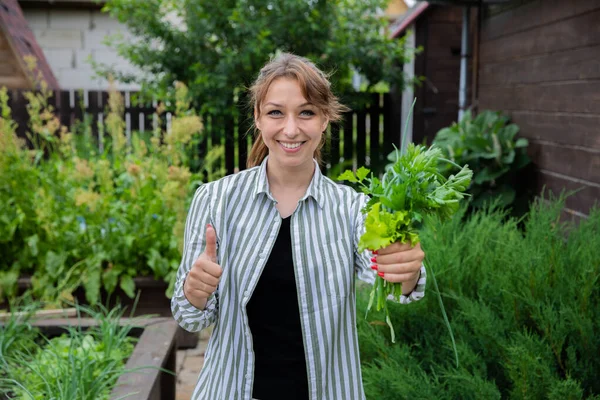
[[307, 113], [274, 113]]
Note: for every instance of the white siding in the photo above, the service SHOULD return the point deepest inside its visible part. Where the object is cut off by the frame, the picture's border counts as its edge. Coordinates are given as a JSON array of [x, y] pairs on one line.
[[69, 37]]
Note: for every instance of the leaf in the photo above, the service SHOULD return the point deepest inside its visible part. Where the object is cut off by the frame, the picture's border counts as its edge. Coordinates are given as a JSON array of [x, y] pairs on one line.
[[521, 142], [55, 263], [487, 174], [127, 285], [92, 280], [32, 242], [110, 277], [509, 158], [347, 175], [362, 173]]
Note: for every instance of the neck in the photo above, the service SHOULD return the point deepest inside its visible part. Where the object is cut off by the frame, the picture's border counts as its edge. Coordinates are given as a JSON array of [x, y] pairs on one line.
[[297, 178]]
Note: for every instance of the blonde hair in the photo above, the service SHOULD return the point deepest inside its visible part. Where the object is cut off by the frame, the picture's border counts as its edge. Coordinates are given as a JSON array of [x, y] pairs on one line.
[[315, 87]]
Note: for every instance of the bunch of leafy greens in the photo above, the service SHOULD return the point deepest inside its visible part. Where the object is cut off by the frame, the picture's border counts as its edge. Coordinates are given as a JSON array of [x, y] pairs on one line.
[[410, 190]]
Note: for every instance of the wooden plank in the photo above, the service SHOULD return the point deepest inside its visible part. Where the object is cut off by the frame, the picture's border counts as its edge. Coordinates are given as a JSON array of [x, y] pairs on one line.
[[151, 352], [18, 103], [348, 136], [582, 201], [533, 14], [361, 137], [244, 129], [580, 31], [230, 144], [576, 162], [561, 128], [574, 97], [571, 64], [14, 82], [445, 14], [374, 133], [392, 122], [41, 314], [334, 147]]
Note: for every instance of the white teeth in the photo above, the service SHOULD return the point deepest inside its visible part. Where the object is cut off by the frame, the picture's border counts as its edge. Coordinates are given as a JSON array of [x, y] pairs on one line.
[[291, 145]]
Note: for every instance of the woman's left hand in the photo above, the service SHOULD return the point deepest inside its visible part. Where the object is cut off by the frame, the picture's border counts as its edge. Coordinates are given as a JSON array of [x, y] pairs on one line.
[[399, 263]]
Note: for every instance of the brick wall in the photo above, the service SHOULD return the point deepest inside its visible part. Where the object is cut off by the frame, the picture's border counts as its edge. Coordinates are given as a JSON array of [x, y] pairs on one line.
[[69, 38]]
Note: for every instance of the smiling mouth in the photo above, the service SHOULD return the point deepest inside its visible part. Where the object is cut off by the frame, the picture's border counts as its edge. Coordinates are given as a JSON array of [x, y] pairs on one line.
[[291, 146]]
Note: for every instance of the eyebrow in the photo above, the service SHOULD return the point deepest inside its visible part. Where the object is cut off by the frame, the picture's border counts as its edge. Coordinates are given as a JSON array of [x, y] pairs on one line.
[[281, 106]]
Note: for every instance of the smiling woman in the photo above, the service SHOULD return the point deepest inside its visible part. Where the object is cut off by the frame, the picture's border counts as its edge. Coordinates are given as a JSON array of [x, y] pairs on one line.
[[293, 97], [274, 268]]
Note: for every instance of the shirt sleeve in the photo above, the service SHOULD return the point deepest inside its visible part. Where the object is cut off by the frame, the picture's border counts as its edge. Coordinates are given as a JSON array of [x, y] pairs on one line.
[[188, 316], [363, 259]]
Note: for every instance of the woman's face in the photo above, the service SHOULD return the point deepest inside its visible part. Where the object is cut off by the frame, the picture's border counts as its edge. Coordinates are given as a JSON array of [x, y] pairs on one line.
[[290, 126]]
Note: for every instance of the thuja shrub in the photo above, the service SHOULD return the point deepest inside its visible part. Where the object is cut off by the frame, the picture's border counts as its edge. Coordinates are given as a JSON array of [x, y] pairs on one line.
[[523, 305]]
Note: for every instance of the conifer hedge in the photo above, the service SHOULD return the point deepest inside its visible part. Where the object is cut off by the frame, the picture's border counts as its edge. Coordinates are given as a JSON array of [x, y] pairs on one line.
[[523, 301]]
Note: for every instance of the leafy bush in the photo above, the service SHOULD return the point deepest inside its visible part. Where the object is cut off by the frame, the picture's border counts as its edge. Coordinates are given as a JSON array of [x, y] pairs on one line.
[[74, 216], [218, 47], [76, 365], [524, 308], [488, 144]]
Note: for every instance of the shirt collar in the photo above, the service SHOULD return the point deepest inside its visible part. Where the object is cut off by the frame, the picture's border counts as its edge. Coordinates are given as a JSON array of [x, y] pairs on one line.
[[314, 188]]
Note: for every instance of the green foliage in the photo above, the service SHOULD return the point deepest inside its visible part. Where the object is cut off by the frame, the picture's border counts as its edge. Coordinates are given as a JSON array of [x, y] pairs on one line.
[[488, 143], [76, 365], [217, 47], [99, 221], [524, 306], [410, 190]]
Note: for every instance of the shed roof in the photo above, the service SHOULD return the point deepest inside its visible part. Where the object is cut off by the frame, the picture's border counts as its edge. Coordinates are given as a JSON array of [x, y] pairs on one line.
[[21, 43], [408, 18]]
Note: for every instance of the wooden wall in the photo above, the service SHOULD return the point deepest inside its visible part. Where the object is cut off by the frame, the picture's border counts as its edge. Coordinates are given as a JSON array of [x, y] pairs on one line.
[[11, 74], [438, 31], [539, 61]]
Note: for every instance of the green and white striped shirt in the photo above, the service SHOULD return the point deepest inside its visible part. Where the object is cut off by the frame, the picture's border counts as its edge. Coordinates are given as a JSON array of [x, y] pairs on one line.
[[325, 229]]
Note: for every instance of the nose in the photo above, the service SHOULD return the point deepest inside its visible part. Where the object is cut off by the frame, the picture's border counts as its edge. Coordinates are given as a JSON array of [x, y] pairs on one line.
[[290, 127]]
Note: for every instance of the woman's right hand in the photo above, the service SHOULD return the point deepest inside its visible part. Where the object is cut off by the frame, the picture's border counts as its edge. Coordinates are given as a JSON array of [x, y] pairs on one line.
[[205, 274]]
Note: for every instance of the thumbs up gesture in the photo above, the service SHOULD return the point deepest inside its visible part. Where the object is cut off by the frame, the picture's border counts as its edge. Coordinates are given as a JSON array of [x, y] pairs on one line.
[[204, 276]]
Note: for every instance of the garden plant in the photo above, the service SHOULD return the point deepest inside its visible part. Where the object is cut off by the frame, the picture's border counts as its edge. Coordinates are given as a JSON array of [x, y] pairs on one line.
[[488, 143], [82, 212], [79, 364], [523, 303]]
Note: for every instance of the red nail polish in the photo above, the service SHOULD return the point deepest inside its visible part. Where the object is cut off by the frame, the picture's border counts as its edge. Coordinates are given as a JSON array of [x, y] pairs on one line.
[[373, 259], [374, 266], [380, 274], [375, 252]]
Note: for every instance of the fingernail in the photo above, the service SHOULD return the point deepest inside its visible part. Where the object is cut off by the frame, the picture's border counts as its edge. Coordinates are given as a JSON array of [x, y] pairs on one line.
[[208, 225], [375, 252], [373, 259], [374, 266], [380, 274]]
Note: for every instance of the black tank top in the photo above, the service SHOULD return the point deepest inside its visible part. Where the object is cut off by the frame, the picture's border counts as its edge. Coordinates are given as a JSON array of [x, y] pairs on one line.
[[274, 319]]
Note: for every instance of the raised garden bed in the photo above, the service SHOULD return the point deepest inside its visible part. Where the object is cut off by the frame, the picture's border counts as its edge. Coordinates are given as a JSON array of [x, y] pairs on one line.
[[154, 350], [152, 301]]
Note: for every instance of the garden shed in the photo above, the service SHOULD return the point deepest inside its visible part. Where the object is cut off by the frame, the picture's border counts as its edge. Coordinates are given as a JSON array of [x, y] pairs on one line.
[[539, 63], [437, 29], [535, 61], [17, 42]]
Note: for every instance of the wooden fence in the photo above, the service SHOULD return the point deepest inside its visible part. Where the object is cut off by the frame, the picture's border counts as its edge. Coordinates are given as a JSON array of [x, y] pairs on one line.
[[365, 137]]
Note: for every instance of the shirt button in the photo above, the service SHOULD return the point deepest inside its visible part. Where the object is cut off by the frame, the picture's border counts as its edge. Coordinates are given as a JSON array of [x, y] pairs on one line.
[[247, 293], [262, 255]]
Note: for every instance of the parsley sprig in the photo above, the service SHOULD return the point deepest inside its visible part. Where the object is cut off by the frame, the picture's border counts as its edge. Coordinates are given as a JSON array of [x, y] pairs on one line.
[[410, 189]]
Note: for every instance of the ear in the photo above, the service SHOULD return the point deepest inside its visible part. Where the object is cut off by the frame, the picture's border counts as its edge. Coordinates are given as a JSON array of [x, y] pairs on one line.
[[325, 123], [256, 123]]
